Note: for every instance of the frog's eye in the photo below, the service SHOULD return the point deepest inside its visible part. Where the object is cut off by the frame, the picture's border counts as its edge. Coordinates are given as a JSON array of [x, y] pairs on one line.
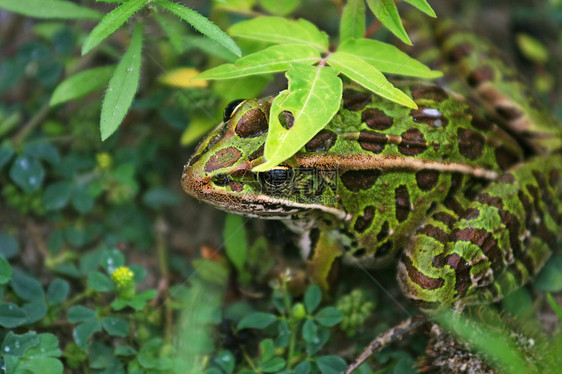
[[276, 177], [231, 108]]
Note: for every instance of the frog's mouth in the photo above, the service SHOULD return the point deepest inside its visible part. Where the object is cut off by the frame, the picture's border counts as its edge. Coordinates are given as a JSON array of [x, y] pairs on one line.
[[251, 205]]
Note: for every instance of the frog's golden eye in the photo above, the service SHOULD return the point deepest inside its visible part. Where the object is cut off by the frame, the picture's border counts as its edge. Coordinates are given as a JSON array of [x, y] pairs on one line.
[[276, 177], [231, 108]]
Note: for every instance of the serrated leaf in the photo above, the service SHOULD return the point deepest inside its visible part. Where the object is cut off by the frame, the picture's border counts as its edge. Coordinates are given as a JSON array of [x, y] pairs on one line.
[[235, 242], [369, 77], [57, 195], [110, 23], [270, 60], [386, 12], [122, 87], [181, 77], [11, 315], [387, 58], [201, 24], [81, 84], [257, 320], [313, 98], [27, 173], [353, 20], [282, 31], [115, 326], [422, 5], [49, 9], [5, 271]]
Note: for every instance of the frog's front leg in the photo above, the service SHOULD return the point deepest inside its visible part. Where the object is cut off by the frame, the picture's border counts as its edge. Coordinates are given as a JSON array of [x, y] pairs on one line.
[[472, 251]]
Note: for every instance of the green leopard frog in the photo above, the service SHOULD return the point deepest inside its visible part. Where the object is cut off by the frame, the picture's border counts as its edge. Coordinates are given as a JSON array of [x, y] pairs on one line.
[[466, 190]]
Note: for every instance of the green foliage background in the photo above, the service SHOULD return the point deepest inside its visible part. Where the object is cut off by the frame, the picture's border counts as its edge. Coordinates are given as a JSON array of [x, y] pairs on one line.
[[106, 267]]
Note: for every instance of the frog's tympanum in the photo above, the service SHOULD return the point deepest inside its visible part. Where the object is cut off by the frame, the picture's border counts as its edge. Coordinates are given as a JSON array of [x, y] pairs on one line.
[[465, 190]]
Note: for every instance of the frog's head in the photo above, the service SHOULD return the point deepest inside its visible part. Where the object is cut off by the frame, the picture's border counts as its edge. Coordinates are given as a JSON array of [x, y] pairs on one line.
[[220, 171]]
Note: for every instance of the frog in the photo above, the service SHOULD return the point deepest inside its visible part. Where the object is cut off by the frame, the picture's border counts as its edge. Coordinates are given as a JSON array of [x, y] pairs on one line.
[[463, 193]]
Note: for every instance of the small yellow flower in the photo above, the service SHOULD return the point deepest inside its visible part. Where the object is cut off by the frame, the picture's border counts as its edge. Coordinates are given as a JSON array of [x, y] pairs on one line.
[[123, 277], [104, 160]]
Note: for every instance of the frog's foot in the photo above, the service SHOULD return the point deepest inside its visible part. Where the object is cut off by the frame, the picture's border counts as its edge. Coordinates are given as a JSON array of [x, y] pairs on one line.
[[390, 336]]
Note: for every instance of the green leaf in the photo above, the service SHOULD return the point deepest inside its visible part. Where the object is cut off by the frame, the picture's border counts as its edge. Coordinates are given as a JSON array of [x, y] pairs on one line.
[[386, 12], [387, 58], [79, 313], [201, 24], [17, 345], [43, 365], [57, 291], [312, 298], [226, 361], [282, 31], [42, 150], [313, 98], [270, 60], [329, 316], [100, 282], [82, 332], [11, 315], [234, 236], [81, 200], [6, 153], [303, 368], [122, 86], [57, 195], [27, 173], [283, 334], [115, 326], [36, 310], [353, 20], [309, 331], [81, 84], [280, 8], [208, 46], [26, 287], [549, 278], [125, 350], [273, 365], [48, 347], [256, 320], [49, 9], [110, 23], [331, 365], [554, 305], [5, 271], [8, 246], [369, 77], [423, 6], [267, 350]]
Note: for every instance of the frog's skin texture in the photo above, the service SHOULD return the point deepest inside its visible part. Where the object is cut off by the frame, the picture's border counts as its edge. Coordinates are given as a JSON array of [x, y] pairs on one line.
[[467, 192]]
